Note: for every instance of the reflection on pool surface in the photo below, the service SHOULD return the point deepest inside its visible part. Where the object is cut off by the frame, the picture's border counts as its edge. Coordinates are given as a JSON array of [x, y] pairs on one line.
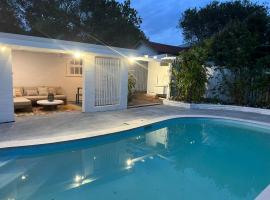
[[190, 158]]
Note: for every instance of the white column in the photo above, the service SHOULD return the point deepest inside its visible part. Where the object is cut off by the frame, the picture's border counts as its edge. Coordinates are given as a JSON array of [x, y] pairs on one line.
[[88, 102], [6, 88], [168, 95], [124, 84]]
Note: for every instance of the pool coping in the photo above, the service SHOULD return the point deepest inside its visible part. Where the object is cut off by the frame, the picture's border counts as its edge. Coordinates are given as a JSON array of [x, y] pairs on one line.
[[265, 194], [209, 106], [126, 126]]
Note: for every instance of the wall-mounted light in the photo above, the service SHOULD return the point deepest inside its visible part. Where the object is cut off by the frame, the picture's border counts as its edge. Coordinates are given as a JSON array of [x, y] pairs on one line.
[[131, 60], [77, 54], [3, 48]]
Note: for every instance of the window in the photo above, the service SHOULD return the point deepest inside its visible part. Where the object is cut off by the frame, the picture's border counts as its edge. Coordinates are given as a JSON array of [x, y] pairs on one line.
[[74, 67]]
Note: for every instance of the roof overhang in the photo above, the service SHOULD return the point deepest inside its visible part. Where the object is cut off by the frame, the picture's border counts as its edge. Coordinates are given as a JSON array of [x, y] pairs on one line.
[[31, 43]]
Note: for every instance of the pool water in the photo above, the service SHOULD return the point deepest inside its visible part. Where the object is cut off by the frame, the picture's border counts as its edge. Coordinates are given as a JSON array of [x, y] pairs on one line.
[[189, 158]]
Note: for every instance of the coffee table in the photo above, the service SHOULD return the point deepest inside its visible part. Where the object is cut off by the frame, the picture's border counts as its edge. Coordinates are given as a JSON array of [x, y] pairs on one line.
[[50, 105]]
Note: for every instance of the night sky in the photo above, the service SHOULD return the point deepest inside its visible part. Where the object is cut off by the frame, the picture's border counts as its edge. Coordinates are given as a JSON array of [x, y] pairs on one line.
[[160, 17]]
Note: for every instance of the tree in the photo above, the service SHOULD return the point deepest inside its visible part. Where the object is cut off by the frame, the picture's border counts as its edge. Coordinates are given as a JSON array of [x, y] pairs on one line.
[[234, 47], [203, 23], [91, 21], [9, 21], [56, 19], [111, 22], [238, 49]]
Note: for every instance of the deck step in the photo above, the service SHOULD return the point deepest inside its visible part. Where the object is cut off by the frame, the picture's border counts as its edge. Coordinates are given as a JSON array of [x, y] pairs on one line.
[[141, 99]]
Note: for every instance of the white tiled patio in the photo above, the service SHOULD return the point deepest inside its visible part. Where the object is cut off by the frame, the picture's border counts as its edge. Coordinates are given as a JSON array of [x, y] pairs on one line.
[[74, 125]]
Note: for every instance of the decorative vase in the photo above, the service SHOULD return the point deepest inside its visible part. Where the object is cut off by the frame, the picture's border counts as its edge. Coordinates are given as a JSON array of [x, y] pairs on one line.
[[50, 97]]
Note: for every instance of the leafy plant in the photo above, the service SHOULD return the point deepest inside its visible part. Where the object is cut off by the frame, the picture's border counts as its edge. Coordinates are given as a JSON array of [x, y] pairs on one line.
[[189, 76], [131, 86]]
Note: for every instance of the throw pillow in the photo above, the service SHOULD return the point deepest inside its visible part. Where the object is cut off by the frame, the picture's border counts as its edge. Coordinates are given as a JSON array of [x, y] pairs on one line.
[[43, 91], [17, 92], [31, 92], [59, 91]]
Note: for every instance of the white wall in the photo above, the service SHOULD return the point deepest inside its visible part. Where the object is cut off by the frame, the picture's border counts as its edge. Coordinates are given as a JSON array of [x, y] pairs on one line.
[[44, 69], [215, 79], [157, 76], [6, 94]]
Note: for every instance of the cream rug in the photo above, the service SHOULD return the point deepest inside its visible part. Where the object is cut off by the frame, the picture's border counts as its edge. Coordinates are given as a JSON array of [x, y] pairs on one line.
[[41, 111]]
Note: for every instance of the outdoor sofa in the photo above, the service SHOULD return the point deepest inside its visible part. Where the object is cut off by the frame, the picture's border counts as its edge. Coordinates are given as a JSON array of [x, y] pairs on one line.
[[25, 97]]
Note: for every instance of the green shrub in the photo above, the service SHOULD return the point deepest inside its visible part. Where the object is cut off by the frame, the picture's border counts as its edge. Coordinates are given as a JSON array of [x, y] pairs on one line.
[[189, 76]]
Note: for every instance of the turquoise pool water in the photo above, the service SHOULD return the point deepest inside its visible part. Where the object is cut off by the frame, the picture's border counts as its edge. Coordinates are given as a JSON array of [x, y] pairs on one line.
[[189, 158]]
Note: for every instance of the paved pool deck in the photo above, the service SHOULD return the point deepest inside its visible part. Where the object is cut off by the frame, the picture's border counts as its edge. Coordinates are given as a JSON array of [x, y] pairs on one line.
[[65, 126]]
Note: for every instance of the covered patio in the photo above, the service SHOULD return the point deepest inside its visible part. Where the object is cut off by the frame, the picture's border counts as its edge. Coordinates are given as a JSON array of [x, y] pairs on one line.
[[93, 76], [30, 64], [36, 74]]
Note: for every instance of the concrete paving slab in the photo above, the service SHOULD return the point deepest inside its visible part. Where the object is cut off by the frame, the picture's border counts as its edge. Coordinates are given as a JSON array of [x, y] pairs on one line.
[[75, 125]]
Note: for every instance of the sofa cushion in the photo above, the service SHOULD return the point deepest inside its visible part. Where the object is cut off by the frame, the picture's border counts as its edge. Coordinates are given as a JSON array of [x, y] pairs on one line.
[[59, 91], [31, 92], [28, 88], [42, 91], [36, 98], [21, 101], [17, 92], [60, 97]]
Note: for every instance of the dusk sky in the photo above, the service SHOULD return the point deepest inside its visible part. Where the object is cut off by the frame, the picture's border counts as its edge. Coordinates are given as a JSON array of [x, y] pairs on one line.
[[160, 17]]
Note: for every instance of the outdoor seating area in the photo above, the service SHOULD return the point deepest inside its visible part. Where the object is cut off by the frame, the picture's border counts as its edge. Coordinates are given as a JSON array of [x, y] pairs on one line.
[[43, 82], [24, 97]]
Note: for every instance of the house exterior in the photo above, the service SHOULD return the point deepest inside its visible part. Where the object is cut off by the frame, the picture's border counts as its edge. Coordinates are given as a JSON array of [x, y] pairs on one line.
[[34, 61], [100, 71]]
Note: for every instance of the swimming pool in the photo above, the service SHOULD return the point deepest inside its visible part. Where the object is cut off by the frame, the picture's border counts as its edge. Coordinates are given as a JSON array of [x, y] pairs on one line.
[[187, 158]]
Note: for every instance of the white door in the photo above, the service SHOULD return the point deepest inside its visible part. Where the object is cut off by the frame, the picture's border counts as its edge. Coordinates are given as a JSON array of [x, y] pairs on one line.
[[107, 81]]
